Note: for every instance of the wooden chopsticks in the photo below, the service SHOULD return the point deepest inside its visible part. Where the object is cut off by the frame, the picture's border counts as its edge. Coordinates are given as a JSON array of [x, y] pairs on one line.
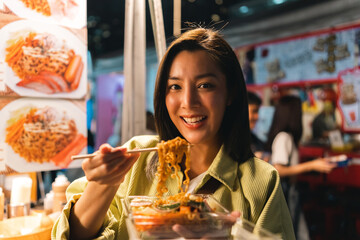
[[75, 157]]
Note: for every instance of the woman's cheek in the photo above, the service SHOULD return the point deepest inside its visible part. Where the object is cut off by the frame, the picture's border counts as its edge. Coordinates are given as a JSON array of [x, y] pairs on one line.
[[170, 102]]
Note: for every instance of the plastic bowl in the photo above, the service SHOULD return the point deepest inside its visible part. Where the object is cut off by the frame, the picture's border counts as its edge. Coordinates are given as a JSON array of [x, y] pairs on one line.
[[26, 228], [146, 222]]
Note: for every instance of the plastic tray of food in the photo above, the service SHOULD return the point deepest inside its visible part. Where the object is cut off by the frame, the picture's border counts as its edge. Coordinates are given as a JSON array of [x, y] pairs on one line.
[[201, 216]]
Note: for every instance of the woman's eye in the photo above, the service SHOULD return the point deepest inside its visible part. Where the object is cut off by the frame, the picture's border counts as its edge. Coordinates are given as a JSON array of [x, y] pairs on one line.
[[205, 85], [174, 87]]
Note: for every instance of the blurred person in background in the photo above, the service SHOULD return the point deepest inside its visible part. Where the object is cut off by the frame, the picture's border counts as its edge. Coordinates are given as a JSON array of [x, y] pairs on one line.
[[283, 142], [325, 121], [257, 145]]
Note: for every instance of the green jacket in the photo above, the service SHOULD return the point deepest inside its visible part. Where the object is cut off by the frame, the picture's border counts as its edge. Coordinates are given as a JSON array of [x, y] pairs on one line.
[[253, 188]]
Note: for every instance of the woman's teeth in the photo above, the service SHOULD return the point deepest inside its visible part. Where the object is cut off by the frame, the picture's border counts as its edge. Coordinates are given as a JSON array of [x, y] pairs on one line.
[[193, 119]]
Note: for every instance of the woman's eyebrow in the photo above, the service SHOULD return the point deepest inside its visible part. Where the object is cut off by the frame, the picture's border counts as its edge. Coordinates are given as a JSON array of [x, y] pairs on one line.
[[204, 75]]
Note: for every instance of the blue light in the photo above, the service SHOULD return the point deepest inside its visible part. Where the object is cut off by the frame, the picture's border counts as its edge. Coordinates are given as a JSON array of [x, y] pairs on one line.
[[244, 9], [279, 1]]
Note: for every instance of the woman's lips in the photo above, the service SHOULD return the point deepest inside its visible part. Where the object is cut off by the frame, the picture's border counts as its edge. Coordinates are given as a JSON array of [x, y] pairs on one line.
[[194, 121]]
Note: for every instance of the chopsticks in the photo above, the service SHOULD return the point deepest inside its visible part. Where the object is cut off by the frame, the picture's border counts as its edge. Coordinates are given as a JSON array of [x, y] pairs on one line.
[[75, 157]]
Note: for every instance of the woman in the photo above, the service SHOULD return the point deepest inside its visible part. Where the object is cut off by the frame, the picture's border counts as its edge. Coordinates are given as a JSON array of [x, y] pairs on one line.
[[283, 141], [284, 137], [200, 95]]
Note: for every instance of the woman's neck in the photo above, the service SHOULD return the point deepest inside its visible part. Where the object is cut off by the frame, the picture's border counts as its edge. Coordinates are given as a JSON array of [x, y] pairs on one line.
[[201, 157]]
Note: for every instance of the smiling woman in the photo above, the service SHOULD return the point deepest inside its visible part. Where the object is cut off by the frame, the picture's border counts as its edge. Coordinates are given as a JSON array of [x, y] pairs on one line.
[[200, 95]]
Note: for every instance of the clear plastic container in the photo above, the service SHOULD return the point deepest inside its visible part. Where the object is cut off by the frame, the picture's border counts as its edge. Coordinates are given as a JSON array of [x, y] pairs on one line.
[[144, 221], [245, 230]]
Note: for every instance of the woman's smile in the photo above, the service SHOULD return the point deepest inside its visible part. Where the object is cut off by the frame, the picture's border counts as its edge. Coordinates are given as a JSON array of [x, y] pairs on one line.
[[196, 121]]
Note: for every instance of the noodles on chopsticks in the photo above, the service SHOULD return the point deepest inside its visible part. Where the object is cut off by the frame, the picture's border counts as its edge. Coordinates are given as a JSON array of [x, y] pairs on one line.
[[171, 153]]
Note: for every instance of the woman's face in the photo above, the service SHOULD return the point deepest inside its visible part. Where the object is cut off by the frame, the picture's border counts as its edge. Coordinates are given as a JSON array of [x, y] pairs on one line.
[[196, 96]]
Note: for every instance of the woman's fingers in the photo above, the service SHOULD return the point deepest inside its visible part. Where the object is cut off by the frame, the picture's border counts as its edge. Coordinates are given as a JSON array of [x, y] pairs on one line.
[[184, 231], [106, 156], [231, 218], [118, 176], [118, 172], [105, 148], [235, 214], [109, 165], [203, 232]]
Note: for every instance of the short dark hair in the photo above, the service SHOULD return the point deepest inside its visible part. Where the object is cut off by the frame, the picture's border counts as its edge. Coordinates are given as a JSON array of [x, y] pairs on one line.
[[287, 118], [253, 98], [234, 130]]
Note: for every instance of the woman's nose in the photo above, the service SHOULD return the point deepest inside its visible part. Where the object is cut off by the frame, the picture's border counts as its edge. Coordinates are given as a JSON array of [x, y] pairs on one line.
[[190, 97]]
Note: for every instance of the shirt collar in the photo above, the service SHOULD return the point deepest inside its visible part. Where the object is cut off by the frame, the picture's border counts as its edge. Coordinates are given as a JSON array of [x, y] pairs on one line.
[[224, 169]]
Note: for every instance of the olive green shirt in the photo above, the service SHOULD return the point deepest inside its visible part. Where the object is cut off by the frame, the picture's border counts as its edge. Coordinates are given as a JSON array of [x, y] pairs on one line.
[[252, 187]]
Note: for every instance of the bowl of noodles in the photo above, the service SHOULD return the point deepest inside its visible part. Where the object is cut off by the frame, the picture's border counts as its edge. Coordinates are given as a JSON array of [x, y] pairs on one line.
[[197, 216]]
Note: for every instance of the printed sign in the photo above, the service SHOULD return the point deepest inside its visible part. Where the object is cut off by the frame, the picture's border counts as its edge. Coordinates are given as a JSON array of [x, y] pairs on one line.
[[42, 60], [311, 57], [42, 135], [349, 99]]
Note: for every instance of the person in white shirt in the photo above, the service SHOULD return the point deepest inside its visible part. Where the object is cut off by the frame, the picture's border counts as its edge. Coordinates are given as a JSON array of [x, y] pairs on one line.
[[283, 141]]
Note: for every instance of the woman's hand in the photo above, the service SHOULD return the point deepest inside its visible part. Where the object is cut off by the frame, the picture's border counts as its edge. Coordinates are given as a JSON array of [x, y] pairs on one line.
[[188, 233], [322, 165], [109, 166]]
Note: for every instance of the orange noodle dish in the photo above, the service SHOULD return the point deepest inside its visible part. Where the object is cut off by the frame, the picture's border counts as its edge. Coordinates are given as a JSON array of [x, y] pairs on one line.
[[43, 135], [181, 208], [43, 63]]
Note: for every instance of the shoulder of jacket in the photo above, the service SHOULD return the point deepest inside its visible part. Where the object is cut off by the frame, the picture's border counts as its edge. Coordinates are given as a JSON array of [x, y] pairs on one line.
[[257, 168], [258, 178]]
